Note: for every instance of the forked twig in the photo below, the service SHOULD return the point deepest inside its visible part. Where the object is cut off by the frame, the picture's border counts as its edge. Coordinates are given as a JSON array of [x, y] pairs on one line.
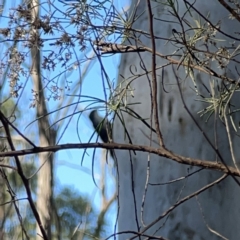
[[182, 201]]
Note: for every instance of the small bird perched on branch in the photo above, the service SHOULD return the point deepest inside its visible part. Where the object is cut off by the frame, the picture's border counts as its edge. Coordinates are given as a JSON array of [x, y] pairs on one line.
[[102, 127]]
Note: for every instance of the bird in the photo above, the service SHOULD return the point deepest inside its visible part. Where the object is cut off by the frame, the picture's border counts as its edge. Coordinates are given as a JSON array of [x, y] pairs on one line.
[[103, 127]]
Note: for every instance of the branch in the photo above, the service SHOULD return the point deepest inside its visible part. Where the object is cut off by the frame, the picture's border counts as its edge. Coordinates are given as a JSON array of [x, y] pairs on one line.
[[106, 48], [13, 201], [219, 30], [25, 138], [138, 235], [231, 10], [21, 174], [163, 152], [182, 201], [154, 77], [201, 130]]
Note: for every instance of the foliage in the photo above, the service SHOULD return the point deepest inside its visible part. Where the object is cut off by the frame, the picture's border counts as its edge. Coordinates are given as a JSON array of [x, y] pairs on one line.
[[53, 45]]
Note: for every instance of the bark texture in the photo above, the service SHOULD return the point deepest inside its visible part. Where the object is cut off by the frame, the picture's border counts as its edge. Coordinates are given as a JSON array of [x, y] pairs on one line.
[[217, 208], [47, 136]]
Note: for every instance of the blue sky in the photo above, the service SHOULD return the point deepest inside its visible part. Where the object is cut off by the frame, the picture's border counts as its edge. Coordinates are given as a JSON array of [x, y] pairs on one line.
[[68, 168]]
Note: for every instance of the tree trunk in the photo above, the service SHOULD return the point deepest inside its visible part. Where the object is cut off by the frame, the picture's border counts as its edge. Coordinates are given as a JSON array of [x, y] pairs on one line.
[[217, 208], [47, 136]]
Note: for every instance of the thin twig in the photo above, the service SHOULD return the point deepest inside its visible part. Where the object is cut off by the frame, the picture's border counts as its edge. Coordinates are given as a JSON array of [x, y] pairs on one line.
[[208, 227], [204, 69], [25, 138], [182, 201], [231, 10], [13, 200], [177, 179], [228, 129], [154, 76], [204, 133], [24, 179], [219, 30]]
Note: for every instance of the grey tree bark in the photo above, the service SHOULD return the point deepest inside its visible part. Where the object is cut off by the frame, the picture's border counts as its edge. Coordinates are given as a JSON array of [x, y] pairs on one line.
[[47, 136], [217, 209]]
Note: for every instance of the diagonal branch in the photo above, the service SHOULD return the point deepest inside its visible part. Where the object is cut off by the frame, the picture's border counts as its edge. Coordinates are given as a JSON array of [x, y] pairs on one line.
[[21, 174], [182, 201], [106, 48], [231, 10]]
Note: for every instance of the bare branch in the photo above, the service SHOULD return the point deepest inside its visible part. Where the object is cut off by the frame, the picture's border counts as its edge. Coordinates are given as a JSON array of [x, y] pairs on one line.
[[182, 201], [160, 152]]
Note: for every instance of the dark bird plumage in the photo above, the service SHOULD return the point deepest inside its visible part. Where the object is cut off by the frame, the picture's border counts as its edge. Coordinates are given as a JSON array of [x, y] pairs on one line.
[[100, 125]]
